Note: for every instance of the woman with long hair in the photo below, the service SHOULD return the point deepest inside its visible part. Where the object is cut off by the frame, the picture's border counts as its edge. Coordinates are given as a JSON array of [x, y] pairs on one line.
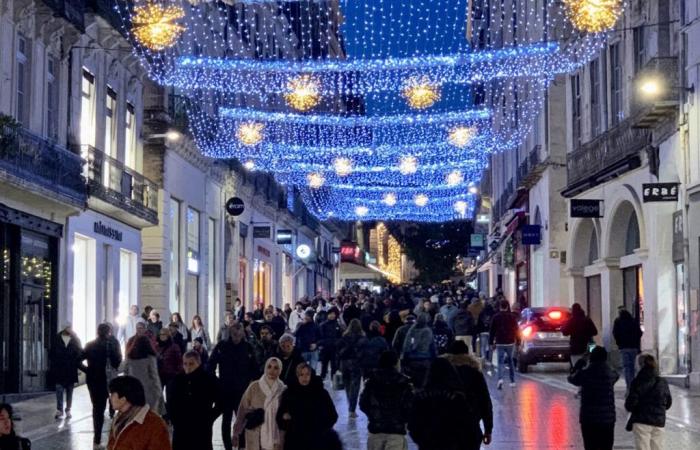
[[176, 318], [141, 363], [8, 437], [350, 349], [199, 331], [257, 411]]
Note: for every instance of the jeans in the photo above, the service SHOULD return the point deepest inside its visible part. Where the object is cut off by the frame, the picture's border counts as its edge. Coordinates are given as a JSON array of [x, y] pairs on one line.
[[60, 389], [99, 403], [484, 347], [648, 437], [352, 380], [628, 357], [228, 407], [385, 441], [598, 436], [503, 351], [311, 358]]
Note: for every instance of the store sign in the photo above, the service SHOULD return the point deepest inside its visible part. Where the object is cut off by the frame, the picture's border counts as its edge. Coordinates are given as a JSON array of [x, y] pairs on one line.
[[531, 234], [660, 192], [284, 237], [303, 251], [586, 208], [476, 241], [350, 252], [483, 218], [151, 270], [262, 232], [107, 231], [235, 206]]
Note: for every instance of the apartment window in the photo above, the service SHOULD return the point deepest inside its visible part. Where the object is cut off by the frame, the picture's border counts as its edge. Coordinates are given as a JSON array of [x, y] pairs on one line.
[[130, 137], [193, 240], [616, 108], [639, 48], [23, 78], [110, 147], [175, 207], [51, 98], [87, 109], [576, 110], [595, 97], [211, 270]]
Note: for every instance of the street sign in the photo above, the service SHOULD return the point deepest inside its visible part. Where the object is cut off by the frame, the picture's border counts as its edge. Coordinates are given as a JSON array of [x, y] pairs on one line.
[[476, 241], [284, 237], [262, 232], [660, 192], [586, 208], [235, 206], [531, 234]]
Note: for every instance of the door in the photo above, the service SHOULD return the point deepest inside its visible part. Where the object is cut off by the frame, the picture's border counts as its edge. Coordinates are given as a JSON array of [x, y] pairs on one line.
[[681, 320], [594, 307], [633, 292], [34, 357]]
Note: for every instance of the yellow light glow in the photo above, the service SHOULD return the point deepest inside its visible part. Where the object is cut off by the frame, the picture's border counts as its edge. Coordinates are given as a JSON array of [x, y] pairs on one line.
[[389, 199], [388, 254], [650, 87], [249, 165], [250, 133], [420, 93], [361, 211], [316, 180], [342, 166], [303, 93], [155, 26], [454, 178], [473, 189], [408, 165], [461, 136], [420, 200], [461, 207], [593, 16]]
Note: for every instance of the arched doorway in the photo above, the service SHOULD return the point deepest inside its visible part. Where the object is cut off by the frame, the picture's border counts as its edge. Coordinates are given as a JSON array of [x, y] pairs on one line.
[[586, 252]]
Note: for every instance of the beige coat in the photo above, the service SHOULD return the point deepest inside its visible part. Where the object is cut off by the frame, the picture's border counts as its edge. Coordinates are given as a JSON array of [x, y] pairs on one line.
[[254, 398], [146, 370]]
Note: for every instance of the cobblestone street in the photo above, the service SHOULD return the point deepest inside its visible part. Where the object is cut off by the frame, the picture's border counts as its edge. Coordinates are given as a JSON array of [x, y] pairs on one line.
[[539, 413]]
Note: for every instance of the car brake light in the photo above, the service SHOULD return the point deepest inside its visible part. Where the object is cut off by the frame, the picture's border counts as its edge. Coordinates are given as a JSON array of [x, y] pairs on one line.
[[554, 315], [528, 331]]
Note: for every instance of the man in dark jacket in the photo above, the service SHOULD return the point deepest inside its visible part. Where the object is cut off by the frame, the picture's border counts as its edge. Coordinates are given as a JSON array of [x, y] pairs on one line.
[[193, 405], [64, 359], [331, 331], [581, 330], [373, 349], [628, 336], [400, 336], [276, 323], [308, 336], [235, 360], [503, 336], [597, 414], [290, 358], [463, 322], [386, 400]]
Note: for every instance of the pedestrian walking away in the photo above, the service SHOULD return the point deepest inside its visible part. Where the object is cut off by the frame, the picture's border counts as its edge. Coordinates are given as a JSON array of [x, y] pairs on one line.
[[581, 330], [503, 337], [350, 353], [142, 363], [64, 360], [628, 336], [418, 351]]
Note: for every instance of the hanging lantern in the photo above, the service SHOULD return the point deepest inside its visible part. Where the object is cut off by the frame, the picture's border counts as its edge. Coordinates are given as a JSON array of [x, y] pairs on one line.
[[593, 16], [303, 93], [250, 133], [420, 93], [408, 165], [342, 166], [461, 136], [155, 26]]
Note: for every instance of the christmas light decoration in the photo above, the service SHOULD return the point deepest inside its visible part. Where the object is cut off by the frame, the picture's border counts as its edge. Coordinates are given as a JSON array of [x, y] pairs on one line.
[[361, 211], [461, 136], [249, 165], [594, 16], [454, 178], [155, 26], [408, 165], [389, 199], [250, 133], [303, 93], [420, 93], [316, 180], [420, 200], [342, 166]]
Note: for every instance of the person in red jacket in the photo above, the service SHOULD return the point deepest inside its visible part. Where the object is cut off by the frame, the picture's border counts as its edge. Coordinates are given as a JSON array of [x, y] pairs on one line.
[[135, 426], [169, 357]]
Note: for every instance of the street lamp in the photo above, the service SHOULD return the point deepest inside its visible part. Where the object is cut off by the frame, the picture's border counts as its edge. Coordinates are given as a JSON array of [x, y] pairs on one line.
[[652, 87]]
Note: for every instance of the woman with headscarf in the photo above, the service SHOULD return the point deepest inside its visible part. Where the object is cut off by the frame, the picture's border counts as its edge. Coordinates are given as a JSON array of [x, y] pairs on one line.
[[440, 410], [257, 413], [418, 351], [306, 412]]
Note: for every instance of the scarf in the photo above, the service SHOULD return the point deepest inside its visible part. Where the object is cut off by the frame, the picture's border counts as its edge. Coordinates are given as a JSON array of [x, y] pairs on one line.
[[270, 433], [123, 419]]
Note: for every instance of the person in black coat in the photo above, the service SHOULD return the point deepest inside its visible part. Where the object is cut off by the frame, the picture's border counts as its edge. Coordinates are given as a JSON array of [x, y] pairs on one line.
[[440, 410], [597, 415], [306, 412], [102, 355], [290, 357], [331, 331], [477, 392], [581, 330], [237, 366], [648, 400], [373, 349], [386, 400], [193, 405], [350, 350], [8, 438], [628, 336], [64, 360]]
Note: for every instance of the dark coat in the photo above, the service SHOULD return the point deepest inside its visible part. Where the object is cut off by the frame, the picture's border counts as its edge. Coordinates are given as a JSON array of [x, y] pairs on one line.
[[442, 335], [14, 442], [352, 312], [504, 328], [597, 381], [289, 366], [331, 331], [475, 389], [485, 317], [581, 329], [193, 407], [154, 327], [237, 368], [98, 354], [350, 350], [463, 323], [627, 332], [649, 398], [169, 361], [436, 420], [386, 400], [312, 416], [65, 360], [307, 333], [400, 338], [375, 345]]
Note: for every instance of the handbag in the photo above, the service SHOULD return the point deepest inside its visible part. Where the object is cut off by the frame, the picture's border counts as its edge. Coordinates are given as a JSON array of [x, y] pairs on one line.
[[254, 419], [338, 384]]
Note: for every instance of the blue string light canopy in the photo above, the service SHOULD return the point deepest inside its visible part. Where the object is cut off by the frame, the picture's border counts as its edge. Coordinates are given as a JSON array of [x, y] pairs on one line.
[[375, 109]]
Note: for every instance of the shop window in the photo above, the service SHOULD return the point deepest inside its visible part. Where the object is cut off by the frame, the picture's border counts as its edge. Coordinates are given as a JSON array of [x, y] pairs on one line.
[[632, 235], [193, 261], [84, 288], [175, 207], [23, 80], [128, 280]]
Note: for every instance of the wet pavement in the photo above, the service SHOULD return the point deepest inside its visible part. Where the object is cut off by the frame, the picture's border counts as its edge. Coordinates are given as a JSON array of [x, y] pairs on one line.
[[539, 413]]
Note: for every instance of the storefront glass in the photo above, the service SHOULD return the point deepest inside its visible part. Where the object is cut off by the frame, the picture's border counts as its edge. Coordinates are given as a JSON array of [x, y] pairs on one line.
[[634, 292], [174, 303], [128, 279], [261, 282], [681, 320], [84, 318]]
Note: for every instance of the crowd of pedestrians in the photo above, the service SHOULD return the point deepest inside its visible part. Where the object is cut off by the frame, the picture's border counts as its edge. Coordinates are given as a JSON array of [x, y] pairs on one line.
[[414, 358]]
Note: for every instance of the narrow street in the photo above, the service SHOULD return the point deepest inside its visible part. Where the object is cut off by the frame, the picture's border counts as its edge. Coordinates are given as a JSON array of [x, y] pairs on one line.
[[540, 413]]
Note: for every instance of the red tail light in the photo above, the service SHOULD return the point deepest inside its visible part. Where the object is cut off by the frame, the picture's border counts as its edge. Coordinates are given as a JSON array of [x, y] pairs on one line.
[[555, 315], [528, 331]]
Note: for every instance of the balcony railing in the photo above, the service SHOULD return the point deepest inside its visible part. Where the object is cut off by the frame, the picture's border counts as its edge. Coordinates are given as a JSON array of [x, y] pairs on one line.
[[606, 151], [42, 162], [119, 185]]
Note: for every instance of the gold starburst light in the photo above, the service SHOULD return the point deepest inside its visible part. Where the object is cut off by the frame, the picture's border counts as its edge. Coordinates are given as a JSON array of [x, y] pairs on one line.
[[250, 133], [420, 93], [303, 92], [461, 136], [593, 16], [155, 26]]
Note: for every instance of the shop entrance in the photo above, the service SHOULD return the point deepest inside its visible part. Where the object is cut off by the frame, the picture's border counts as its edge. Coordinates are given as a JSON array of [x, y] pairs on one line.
[[633, 292]]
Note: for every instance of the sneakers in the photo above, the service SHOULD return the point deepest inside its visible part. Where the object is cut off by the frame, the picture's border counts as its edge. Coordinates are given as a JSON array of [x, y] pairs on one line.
[[68, 414], [58, 414], [500, 385]]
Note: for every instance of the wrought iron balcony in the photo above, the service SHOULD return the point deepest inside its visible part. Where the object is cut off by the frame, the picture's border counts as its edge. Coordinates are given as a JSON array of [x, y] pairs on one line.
[[71, 10], [610, 154], [30, 160], [119, 190]]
